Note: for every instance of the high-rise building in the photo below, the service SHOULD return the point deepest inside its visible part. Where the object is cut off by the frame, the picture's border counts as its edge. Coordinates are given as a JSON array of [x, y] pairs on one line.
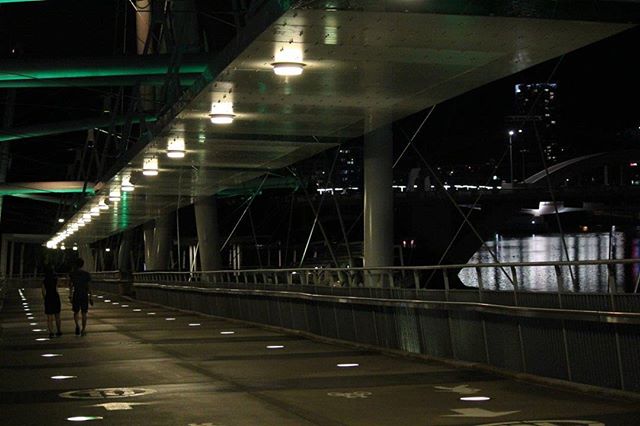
[[538, 103]]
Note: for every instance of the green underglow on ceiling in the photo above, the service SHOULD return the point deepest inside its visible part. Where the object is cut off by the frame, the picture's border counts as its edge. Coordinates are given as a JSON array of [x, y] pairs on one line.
[[87, 72], [124, 211]]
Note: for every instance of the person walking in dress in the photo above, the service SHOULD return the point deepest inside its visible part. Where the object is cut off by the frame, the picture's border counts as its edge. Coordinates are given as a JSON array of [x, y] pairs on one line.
[[51, 300]]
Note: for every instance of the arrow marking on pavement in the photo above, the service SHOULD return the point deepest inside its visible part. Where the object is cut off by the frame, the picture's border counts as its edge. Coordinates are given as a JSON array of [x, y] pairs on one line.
[[462, 389], [478, 412]]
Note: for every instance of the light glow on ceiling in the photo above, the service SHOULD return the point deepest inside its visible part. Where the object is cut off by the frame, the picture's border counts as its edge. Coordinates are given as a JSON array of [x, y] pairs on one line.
[[288, 69]]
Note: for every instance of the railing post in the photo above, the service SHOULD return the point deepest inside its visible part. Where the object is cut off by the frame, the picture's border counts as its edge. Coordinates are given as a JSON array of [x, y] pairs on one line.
[[416, 279], [611, 278], [445, 277], [480, 282]]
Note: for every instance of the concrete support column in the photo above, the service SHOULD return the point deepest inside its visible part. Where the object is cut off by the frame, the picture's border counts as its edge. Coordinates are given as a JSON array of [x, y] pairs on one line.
[[4, 254], [12, 247], [86, 254], [206, 212], [162, 241], [143, 25], [124, 252], [147, 233], [21, 264], [378, 192]]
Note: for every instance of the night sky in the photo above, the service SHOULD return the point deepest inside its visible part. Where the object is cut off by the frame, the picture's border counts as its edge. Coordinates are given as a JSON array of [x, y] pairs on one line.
[[598, 106]]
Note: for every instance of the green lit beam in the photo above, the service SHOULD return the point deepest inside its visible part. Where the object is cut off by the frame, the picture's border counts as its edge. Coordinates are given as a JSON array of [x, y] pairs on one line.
[[148, 80], [61, 187], [47, 129], [16, 69], [18, 1]]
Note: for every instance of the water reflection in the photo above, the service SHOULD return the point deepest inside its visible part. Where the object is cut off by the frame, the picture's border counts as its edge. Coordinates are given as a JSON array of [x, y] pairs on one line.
[[540, 248]]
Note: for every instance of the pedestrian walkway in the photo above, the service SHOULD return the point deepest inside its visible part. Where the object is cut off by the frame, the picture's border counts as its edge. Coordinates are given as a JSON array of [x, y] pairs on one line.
[[145, 365]]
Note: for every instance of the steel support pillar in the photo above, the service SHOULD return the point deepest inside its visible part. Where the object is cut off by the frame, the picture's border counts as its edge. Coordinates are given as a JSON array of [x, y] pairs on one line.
[[21, 264], [162, 241], [148, 245], [378, 193], [12, 247], [86, 254], [4, 255], [206, 212], [124, 252]]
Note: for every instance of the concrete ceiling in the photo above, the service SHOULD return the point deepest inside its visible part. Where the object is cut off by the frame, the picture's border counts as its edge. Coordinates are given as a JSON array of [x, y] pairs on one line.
[[358, 63]]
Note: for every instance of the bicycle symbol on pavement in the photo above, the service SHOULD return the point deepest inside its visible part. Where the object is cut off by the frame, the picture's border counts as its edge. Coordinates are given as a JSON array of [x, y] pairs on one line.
[[350, 395], [106, 393]]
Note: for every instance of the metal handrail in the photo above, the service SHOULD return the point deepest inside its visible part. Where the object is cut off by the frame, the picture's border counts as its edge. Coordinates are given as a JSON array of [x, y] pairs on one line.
[[574, 313], [410, 268], [388, 277]]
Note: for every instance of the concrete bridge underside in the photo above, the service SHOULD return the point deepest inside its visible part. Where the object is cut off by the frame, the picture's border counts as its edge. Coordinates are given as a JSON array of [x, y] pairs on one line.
[[366, 65]]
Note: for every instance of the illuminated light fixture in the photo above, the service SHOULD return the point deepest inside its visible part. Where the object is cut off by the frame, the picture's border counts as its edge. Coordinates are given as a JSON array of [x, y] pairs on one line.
[[126, 185], [37, 330], [74, 248], [348, 365], [102, 205], [150, 166], [170, 319], [107, 250], [62, 247], [288, 68], [83, 418], [125, 306], [227, 332], [151, 313], [220, 118], [87, 217], [175, 148], [42, 339], [137, 310], [60, 220], [107, 301], [475, 398], [63, 377], [50, 355], [95, 211], [115, 303], [114, 195], [80, 223], [194, 324], [275, 346]]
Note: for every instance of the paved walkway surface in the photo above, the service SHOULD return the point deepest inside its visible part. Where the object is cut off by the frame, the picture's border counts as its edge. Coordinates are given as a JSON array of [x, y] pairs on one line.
[[144, 365]]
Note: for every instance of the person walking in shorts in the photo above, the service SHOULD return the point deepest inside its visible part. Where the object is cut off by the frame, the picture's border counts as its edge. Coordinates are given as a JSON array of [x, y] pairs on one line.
[[80, 294]]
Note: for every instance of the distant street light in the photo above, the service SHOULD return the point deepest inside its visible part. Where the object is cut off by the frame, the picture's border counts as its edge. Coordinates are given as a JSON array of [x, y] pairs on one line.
[[511, 133], [524, 168]]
